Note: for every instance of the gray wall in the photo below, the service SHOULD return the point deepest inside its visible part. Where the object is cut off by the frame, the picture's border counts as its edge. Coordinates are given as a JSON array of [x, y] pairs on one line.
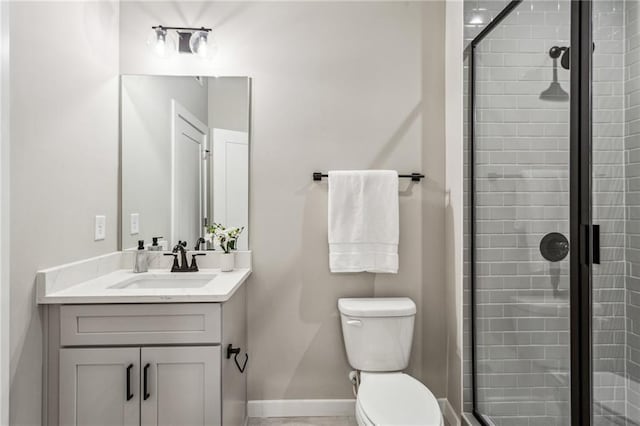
[[64, 162], [328, 93], [454, 108], [439, 338]]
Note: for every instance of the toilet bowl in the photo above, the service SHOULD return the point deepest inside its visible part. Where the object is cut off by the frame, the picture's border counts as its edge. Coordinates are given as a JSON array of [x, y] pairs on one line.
[[395, 399], [378, 334]]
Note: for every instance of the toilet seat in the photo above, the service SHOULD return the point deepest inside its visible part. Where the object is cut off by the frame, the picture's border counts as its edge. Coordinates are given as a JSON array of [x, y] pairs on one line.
[[361, 417], [395, 399]]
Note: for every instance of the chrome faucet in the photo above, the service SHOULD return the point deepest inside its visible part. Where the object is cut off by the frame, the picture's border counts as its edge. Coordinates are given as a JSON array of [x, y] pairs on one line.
[[183, 265]]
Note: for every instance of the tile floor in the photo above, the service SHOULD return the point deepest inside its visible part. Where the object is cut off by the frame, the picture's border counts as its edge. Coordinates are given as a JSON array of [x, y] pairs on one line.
[[303, 421]]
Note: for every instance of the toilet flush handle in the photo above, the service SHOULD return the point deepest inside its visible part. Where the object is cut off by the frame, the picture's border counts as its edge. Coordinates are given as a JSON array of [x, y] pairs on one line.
[[354, 322]]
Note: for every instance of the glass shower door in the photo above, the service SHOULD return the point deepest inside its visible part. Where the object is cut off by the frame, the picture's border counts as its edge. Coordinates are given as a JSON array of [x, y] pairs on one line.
[[615, 291], [520, 217]]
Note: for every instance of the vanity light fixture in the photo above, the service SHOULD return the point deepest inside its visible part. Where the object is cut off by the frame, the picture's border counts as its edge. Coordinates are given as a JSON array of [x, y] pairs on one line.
[[196, 41]]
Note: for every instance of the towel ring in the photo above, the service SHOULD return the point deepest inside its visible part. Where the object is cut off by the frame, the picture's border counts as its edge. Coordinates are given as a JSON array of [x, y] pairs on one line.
[[235, 352]]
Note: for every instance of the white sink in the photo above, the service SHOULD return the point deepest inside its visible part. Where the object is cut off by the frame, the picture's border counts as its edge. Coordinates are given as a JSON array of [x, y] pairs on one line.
[[168, 281]]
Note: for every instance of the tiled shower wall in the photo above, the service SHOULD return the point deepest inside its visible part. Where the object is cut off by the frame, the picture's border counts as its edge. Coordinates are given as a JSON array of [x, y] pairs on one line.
[[632, 173], [522, 194]]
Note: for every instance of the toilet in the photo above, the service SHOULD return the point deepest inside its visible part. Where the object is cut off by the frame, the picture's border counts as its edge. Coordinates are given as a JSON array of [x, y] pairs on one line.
[[378, 333]]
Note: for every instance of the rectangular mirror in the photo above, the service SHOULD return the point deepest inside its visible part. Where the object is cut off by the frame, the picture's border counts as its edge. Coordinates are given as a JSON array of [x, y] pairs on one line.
[[184, 158]]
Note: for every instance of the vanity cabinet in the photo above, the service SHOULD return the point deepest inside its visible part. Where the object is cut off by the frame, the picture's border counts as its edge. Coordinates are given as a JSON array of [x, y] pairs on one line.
[[93, 386], [146, 364], [140, 386], [183, 386]]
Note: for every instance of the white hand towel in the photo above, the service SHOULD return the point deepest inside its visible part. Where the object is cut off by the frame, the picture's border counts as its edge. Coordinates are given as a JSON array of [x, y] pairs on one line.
[[363, 221]]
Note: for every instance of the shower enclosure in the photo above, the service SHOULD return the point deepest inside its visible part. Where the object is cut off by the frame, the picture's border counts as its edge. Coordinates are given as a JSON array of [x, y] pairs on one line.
[[552, 283]]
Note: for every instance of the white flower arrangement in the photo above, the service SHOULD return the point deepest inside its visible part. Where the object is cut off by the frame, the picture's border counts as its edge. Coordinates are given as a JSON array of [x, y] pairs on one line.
[[224, 237]]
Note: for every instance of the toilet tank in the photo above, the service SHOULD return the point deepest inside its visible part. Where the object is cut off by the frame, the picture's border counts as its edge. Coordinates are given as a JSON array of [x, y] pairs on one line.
[[377, 332]]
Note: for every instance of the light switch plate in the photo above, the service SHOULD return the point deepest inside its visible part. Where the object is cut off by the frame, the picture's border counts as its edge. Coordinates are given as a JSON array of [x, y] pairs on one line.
[[101, 228], [134, 223]]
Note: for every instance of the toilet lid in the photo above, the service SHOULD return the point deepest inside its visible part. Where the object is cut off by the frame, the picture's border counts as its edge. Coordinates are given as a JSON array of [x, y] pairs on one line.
[[398, 399]]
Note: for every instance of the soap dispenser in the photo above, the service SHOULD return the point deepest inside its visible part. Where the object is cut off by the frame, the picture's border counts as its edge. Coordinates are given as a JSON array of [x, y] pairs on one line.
[[142, 259], [154, 246]]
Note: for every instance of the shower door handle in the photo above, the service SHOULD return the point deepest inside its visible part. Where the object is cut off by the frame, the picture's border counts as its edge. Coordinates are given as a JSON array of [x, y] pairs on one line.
[[595, 238], [590, 234]]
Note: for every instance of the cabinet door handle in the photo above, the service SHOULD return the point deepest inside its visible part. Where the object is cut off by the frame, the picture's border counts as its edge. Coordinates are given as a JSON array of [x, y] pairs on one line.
[[129, 393], [145, 381]]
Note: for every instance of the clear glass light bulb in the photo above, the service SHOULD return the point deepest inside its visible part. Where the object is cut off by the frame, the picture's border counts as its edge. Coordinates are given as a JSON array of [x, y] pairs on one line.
[[203, 47], [160, 42], [160, 46], [201, 44]]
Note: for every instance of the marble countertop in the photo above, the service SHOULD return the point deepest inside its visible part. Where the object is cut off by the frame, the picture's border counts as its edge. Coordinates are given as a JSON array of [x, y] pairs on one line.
[[105, 280], [100, 290]]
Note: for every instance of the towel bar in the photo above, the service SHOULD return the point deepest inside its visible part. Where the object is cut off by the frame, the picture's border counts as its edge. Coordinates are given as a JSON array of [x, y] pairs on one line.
[[415, 177]]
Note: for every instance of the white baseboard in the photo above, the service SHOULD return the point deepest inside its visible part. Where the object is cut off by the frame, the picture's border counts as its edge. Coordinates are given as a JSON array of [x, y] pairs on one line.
[[302, 408], [325, 408], [448, 412]]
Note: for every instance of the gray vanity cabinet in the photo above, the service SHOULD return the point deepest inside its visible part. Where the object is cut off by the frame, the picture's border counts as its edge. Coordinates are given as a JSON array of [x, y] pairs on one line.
[[140, 386], [93, 386], [146, 364], [183, 385]]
